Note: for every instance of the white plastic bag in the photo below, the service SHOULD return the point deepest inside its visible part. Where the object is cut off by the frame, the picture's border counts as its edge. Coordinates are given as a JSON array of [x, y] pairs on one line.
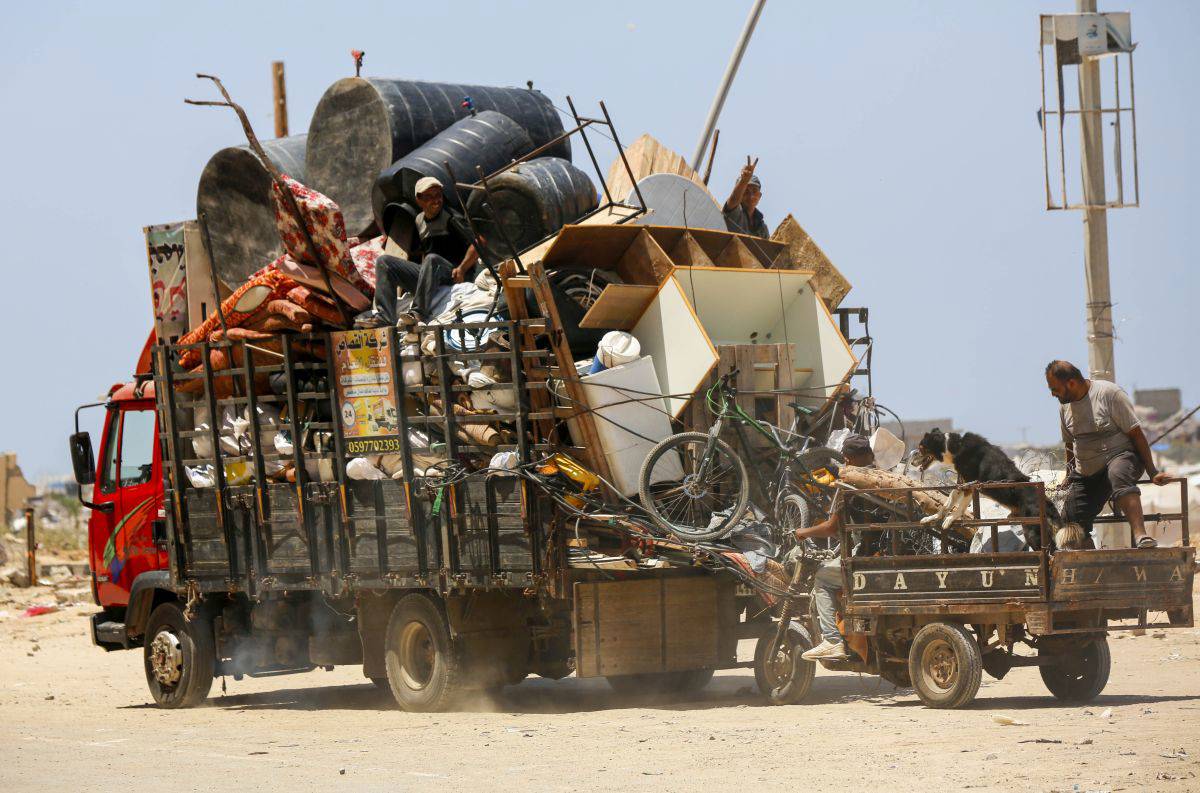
[[889, 450], [361, 468]]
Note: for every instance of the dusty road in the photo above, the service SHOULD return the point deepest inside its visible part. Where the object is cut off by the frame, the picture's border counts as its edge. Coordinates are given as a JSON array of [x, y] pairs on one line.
[[75, 718]]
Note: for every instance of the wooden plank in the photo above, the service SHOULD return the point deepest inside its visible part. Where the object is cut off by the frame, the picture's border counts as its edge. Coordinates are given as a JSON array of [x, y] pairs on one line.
[[619, 306], [539, 398], [583, 425], [692, 642], [646, 156], [649, 624], [643, 261], [688, 253], [737, 254], [804, 254]]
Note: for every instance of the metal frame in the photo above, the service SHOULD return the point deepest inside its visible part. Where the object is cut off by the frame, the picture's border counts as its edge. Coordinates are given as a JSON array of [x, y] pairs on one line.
[[324, 511], [1061, 113]]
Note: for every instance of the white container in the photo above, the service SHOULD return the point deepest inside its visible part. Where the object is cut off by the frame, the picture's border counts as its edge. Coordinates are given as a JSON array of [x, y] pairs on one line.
[[629, 421]]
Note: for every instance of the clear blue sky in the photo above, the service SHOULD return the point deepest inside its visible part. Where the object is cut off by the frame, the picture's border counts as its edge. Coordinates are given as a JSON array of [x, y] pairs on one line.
[[901, 135]]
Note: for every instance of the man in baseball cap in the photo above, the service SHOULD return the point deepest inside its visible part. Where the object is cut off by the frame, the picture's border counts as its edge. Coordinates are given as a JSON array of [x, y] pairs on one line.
[[741, 210], [444, 254]]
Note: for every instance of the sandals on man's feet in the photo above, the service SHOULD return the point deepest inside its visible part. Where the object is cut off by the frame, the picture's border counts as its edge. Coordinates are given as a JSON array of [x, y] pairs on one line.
[[1146, 541]]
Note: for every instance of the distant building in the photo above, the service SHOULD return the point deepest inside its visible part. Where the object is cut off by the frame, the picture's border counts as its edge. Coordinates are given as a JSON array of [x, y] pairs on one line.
[[1163, 402], [14, 489], [915, 429]]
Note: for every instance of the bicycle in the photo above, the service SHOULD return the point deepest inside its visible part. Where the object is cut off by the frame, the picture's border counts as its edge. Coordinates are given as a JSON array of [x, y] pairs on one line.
[[696, 486]]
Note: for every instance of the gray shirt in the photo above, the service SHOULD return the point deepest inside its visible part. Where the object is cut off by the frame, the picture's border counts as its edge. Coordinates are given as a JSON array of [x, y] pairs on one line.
[[1096, 426], [737, 221]]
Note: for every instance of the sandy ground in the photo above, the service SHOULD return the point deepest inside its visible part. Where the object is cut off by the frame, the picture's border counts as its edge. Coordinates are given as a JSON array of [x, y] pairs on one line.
[[74, 717]]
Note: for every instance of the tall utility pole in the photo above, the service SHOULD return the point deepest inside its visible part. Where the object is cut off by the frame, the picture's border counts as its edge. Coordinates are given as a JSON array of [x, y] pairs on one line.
[[281, 127], [1095, 217]]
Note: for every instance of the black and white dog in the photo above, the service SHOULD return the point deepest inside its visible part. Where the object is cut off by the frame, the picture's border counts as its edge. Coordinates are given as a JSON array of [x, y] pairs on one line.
[[977, 460]]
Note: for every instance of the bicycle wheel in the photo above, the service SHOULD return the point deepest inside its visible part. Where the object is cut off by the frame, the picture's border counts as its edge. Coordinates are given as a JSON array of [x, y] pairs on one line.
[[692, 497], [791, 512]]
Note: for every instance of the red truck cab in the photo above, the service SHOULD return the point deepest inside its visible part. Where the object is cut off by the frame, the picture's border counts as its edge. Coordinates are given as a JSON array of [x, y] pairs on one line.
[[127, 550]]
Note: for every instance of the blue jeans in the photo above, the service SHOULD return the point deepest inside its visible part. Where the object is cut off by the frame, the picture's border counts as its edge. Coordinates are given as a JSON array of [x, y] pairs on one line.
[[827, 583]]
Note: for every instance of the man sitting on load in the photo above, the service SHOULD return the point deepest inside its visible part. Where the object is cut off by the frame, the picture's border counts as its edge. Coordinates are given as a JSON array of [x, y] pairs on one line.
[[827, 583], [446, 252]]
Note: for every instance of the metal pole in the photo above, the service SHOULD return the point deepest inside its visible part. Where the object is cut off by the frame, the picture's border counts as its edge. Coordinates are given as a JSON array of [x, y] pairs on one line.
[[730, 71], [31, 547], [281, 125], [1095, 217]]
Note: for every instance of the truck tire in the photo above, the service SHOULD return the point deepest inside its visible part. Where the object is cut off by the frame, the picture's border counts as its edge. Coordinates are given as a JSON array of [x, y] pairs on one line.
[[945, 665], [783, 677], [424, 669], [688, 681], [179, 656], [1082, 676]]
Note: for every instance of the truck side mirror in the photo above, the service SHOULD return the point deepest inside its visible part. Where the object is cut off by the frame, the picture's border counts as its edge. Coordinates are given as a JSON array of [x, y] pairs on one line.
[[82, 459]]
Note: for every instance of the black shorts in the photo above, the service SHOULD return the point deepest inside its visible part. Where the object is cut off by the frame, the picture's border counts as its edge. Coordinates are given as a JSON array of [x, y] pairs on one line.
[[1087, 495]]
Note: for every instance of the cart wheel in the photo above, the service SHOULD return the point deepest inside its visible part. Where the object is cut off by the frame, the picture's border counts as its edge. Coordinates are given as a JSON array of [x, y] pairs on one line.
[[1082, 676], [688, 681], [423, 667], [783, 677], [945, 665], [179, 656], [687, 507]]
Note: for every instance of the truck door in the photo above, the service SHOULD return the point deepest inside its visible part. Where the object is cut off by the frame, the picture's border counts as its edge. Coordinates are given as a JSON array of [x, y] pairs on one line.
[[132, 475]]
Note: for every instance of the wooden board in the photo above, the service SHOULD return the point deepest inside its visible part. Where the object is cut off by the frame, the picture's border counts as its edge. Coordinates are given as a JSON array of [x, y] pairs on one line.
[[687, 252], [646, 155], [804, 254], [651, 625], [737, 254], [671, 334], [619, 307]]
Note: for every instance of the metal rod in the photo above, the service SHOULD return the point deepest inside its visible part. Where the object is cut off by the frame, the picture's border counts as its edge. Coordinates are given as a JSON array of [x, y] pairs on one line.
[[730, 72], [31, 547], [1137, 198], [621, 151], [712, 154], [1045, 121], [588, 145], [277, 84]]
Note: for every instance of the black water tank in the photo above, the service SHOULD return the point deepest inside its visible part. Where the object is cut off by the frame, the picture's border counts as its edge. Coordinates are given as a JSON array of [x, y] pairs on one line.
[[487, 140], [531, 201], [363, 125], [234, 197]]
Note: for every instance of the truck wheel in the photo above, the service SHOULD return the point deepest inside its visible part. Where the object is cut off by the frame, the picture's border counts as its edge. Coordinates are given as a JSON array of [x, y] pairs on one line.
[[1082, 676], [179, 656], [687, 681], [423, 667], [945, 665], [783, 677]]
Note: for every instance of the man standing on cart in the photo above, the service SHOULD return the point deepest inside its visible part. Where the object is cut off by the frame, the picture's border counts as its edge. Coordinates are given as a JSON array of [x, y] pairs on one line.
[[827, 583]]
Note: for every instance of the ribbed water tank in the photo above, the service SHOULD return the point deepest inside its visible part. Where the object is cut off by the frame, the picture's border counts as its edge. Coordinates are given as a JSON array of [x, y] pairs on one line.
[[362, 125], [234, 198], [531, 201], [487, 140]]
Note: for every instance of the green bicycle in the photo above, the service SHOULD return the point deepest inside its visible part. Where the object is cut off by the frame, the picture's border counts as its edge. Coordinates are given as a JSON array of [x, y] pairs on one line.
[[696, 486]]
